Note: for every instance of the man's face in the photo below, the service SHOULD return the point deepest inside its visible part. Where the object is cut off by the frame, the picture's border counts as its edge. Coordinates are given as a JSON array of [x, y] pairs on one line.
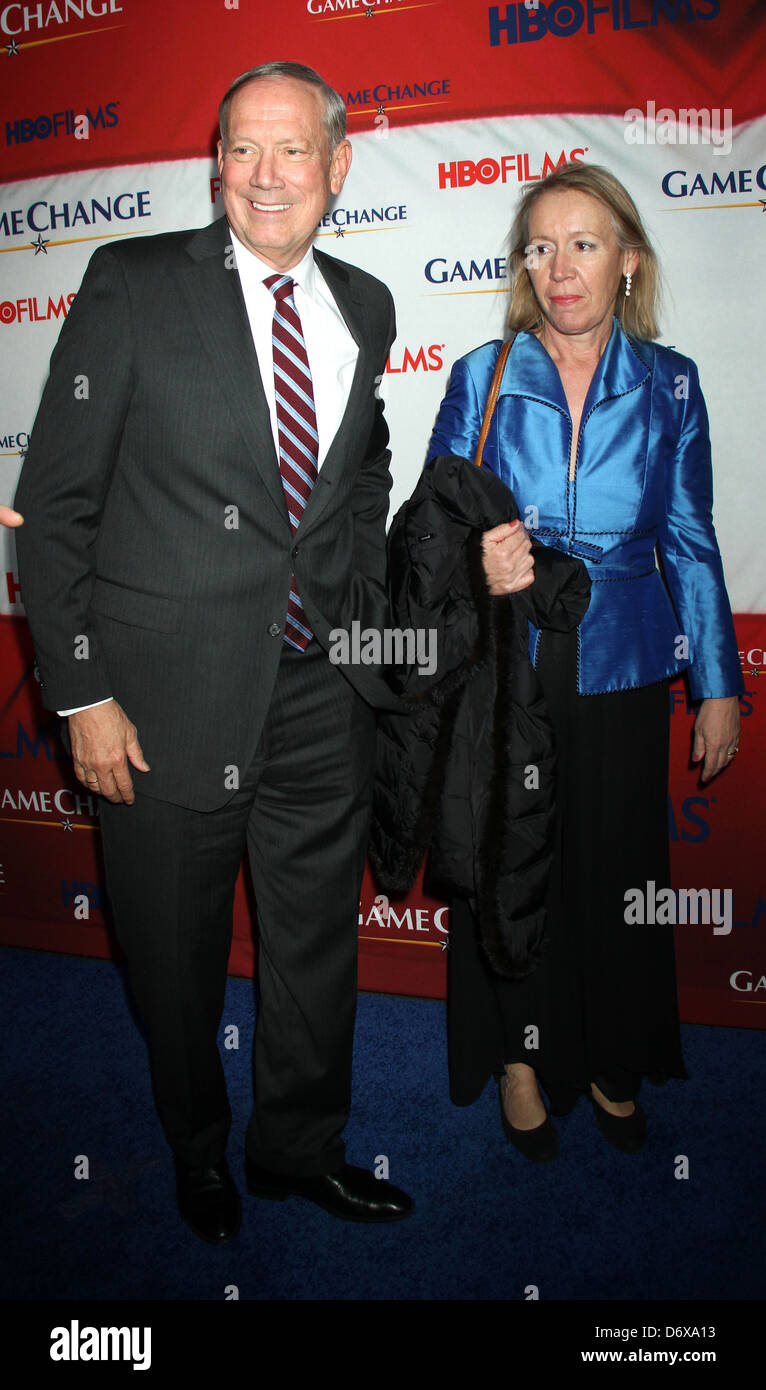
[[277, 176]]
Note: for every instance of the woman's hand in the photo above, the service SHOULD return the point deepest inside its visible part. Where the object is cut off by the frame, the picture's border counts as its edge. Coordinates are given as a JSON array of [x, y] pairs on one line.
[[716, 734], [506, 554]]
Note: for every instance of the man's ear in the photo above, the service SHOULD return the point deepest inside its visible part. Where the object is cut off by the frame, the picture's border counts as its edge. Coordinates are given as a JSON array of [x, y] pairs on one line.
[[340, 165]]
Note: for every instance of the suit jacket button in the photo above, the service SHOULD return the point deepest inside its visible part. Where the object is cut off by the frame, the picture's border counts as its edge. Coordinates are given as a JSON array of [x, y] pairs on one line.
[[274, 629]]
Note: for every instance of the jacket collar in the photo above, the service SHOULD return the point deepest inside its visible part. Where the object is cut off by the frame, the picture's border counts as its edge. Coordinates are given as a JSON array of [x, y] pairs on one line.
[[530, 372]]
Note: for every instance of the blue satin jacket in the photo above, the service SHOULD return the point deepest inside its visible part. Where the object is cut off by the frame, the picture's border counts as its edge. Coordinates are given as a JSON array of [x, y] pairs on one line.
[[643, 479]]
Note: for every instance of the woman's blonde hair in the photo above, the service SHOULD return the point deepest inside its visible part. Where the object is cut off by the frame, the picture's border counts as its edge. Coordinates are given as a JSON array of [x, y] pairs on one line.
[[639, 313]]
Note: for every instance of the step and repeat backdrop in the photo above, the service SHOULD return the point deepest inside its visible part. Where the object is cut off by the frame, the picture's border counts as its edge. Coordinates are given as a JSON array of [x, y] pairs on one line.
[[107, 129]]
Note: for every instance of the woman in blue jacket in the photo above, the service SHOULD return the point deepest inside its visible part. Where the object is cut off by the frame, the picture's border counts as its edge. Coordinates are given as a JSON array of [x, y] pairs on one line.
[[602, 436]]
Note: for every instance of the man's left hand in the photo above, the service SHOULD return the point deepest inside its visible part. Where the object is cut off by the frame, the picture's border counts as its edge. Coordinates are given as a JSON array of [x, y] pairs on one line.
[[716, 735]]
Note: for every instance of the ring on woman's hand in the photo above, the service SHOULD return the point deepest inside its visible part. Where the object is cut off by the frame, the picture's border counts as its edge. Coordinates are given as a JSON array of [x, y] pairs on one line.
[[731, 751]]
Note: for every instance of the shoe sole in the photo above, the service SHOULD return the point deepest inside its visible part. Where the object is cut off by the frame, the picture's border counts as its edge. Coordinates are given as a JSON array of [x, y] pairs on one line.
[[279, 1195]]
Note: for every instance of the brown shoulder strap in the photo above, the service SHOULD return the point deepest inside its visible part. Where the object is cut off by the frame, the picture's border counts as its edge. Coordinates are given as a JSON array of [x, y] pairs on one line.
[[494, 389]]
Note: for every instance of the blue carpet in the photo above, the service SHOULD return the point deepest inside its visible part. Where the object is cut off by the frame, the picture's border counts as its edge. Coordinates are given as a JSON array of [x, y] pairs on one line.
[[593, 1225]]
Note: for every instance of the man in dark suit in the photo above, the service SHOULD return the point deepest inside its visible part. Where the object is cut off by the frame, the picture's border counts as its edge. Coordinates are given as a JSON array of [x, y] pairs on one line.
[[205, 497]]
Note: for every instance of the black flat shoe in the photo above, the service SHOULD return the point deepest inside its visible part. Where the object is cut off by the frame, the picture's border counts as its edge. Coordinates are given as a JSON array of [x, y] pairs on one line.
[[539, 1145], [208, 1201], [624, 1132], [351, 1193]]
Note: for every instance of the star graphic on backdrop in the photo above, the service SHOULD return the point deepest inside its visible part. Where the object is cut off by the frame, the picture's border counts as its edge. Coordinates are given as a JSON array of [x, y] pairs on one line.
[[370, 14], [339, 231], [66, 824], [754, 669], [762, 202], [445, 944], [12, 49], [23, 451], [40, 245], [381, 110]]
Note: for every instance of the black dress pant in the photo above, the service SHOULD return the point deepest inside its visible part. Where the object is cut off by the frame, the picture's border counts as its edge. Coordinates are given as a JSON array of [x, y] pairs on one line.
[[302, 810], [601, 1005]]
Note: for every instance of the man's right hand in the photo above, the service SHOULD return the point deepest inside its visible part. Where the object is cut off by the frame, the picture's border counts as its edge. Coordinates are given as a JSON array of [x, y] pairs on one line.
[[103, 743]]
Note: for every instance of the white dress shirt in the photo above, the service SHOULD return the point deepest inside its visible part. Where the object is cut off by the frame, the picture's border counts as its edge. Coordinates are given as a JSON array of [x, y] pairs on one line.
[[332, 352]]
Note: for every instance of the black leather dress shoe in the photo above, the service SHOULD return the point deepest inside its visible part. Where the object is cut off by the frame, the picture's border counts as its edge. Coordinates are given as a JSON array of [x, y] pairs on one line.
[[351, 1193], [208, 1201]]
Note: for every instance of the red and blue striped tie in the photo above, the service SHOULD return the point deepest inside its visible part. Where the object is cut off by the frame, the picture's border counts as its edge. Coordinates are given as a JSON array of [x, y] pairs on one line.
[[297, 430]]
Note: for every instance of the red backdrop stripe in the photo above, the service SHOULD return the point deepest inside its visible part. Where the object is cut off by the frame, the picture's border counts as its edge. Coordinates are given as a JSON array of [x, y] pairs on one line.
[[569, 57]]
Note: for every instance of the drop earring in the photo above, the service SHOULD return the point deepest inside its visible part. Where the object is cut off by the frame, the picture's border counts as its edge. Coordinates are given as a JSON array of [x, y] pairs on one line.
[[628, 283]]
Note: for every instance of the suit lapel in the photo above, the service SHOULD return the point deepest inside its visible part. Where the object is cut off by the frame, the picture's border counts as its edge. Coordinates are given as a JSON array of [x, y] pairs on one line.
[[216, 306]]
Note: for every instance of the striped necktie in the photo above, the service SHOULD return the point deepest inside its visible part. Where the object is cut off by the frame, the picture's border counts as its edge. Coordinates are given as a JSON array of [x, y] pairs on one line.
[[296, 427]]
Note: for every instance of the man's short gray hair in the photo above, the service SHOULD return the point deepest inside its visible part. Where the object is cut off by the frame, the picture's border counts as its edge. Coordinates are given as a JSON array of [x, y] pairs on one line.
[[334, 107]]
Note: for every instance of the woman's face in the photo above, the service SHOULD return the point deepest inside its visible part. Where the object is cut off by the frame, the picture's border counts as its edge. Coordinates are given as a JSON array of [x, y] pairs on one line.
[[574, 261]]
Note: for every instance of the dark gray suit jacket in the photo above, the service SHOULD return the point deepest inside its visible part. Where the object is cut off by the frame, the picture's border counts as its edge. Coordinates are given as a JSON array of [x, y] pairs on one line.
[[152, 429]]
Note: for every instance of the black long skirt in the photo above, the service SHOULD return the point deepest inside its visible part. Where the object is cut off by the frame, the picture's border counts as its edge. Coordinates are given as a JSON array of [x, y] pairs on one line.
[[602, 1004]]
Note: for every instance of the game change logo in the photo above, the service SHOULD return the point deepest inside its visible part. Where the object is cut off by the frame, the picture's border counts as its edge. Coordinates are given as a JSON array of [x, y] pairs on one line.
[[398, 95], [749, 982], [14, 442], [753, 661], [491, 270], [31, 25], [343, 221], [102, 214], [353, 9], [700, 185]]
